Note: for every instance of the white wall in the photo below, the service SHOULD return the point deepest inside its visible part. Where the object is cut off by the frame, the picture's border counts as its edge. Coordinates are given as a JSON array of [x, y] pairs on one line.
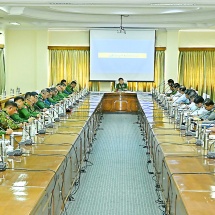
[[69, 38], [26, 59], [171, 56], [197, 38]]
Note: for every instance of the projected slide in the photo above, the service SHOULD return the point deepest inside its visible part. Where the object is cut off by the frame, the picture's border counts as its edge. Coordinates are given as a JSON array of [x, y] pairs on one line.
[[114, 55]]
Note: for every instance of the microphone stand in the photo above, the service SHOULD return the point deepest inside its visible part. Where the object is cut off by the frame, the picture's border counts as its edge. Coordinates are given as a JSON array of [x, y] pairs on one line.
[[211, 155], [10, 150], [40, 128], [2, 163], [56, 117], [28, 140]]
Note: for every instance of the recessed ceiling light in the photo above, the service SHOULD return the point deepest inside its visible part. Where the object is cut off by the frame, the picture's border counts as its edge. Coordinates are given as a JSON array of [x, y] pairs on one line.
[[174, 11], [14, 23]]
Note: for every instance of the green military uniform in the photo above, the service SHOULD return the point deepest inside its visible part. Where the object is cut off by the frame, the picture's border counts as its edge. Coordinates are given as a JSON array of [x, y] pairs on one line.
[[15, 117], [52, 101], [210, 115], [121, 86], [40, 103], [32, 110], [65, 92], [56, 98], [6, 121], [61, 95], [69, 89], [2, 132]]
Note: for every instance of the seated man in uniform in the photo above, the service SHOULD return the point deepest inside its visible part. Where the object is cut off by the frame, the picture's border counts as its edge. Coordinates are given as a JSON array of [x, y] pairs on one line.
[[23, 115], [31, 99], [121, 86], [51, 91], [41, 103], [71, 87], [63, 81], [5, 120]]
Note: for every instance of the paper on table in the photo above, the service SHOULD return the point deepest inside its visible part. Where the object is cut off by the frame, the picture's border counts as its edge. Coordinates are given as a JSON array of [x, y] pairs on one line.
[[17, 133], [212, 137]]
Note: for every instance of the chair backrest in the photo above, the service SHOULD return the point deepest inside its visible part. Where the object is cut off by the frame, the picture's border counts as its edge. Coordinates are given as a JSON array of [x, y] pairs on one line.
[[204, 95]]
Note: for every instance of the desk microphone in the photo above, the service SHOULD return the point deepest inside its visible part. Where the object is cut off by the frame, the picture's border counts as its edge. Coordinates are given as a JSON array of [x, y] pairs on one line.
[[211, 155], [189, 132], [40, 126], [10, 150], [2, 163], [26, 141], [56, 119]]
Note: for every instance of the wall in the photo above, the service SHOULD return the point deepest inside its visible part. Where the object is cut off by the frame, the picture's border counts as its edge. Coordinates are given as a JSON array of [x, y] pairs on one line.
[[197, 38], [171, 56], [26, 59], [69, 38], [26, 52]]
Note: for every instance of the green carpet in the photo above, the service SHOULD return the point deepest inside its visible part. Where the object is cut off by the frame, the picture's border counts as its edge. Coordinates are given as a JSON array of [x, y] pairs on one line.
[[118, 182]]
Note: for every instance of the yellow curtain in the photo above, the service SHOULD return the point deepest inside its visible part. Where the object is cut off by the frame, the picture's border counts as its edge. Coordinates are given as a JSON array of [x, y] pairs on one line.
[[71, 65], [2, 71], [74, 65], [196, 70]]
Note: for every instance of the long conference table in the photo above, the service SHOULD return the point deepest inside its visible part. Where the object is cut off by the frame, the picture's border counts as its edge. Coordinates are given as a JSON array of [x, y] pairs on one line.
[[41, 180]]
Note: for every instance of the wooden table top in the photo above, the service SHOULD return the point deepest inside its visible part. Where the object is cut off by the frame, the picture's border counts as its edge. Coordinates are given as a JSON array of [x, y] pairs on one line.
[[191, 173], [19, 201], [25, 181]]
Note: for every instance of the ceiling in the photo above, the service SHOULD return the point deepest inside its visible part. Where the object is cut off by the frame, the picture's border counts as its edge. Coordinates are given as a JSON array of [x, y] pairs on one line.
[[86, 14]]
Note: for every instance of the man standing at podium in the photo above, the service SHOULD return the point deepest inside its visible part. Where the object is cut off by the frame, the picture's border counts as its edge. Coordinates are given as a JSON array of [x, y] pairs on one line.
[[121, 86]]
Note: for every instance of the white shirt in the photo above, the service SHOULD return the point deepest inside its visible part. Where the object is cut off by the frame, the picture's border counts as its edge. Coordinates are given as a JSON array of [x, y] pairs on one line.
[[199, 111]]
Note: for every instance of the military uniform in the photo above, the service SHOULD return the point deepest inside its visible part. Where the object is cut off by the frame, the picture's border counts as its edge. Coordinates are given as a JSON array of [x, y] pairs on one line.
[[31, 109], [69, 89], [41, 102], [56, 98], [210, 115], [6, 122], [121, 86], [15, 117], [61, 95], [2, 132], [52, 101]]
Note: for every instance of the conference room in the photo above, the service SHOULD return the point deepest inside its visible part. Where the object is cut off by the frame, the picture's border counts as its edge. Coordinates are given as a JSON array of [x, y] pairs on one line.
[[121, 141]]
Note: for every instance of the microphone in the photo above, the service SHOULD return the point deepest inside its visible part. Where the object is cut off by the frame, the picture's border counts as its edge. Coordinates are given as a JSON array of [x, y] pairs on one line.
[[40, 127], [56, 118], [10, 150], [189, 124], [155, 93], [183, 127], [49, 123], [211, 155], [62, 112], [2, 163], [26, 141]]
